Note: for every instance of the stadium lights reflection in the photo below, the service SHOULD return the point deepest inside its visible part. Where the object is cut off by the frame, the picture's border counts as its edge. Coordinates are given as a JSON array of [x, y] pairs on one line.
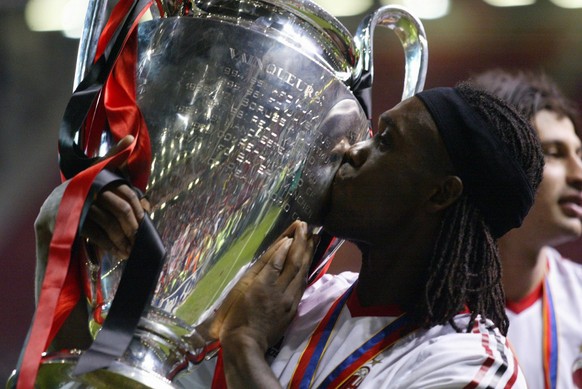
[[68, 16], [568, 3], [424, 9], [509, 3], [343, 8], [56, 15]]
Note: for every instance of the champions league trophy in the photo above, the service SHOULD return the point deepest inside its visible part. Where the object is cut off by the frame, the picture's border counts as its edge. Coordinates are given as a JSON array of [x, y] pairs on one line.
[[244, 102]]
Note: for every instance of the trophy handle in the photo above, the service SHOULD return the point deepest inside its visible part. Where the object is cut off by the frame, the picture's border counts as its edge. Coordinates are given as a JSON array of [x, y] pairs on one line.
[[411, 33]]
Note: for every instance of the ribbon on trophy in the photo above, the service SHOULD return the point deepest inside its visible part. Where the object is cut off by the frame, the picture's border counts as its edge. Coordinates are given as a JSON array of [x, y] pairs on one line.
[[105, 96]]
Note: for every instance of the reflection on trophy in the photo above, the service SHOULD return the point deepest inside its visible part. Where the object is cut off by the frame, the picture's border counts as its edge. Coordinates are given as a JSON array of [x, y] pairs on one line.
[[245, 102]]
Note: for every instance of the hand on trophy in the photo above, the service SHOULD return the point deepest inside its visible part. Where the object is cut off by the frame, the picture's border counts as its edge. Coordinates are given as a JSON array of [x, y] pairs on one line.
[[115, 214], [112, 221], [263, 302], [111, 224], [256, 312]]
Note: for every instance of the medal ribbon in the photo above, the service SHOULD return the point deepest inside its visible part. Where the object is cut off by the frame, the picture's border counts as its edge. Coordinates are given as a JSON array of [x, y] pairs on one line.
[[367, 351], [549, 338], [317, 345], [311, 356]]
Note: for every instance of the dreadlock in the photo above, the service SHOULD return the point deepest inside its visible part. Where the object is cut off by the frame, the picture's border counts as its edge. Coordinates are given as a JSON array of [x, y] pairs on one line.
[[465, 270]]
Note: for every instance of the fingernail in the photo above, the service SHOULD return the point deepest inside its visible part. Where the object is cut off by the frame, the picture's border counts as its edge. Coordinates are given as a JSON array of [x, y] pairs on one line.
[[279, 261]]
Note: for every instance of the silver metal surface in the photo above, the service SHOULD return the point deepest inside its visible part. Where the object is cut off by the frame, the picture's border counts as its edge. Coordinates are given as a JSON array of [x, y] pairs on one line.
[[93, 25], [411, 33], [245, 103], [243, 146]]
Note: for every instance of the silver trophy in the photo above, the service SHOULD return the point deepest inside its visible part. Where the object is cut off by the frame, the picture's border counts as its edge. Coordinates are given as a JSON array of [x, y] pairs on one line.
[[245, 102]]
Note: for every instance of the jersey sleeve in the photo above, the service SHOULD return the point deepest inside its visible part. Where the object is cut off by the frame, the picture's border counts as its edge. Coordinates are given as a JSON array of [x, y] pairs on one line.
[[480, 359]]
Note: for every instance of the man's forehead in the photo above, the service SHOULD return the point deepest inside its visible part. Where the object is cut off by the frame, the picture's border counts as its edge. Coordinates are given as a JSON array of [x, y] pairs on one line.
[[386, 119], [410, 120], [407, 110], [552, 128]]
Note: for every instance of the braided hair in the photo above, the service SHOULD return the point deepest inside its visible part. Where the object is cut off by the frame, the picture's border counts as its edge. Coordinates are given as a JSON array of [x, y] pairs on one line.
[[465, 270]]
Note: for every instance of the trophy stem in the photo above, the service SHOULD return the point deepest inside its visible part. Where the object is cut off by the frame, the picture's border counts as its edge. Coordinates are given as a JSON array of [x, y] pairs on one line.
[[94, 22]]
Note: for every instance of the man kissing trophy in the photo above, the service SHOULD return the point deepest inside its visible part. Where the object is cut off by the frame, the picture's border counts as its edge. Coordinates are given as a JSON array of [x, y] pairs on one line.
[[235, 107]]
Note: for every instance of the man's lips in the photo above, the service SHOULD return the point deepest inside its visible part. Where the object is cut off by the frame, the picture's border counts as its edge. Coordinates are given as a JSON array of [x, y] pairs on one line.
[[343, 172], [572, 205]]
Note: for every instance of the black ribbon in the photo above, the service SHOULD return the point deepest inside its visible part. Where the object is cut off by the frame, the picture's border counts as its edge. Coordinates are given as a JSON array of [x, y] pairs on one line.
[[143, 266], [133, 294]]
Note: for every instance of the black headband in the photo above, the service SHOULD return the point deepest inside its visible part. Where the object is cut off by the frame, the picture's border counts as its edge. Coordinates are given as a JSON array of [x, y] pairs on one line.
[[491, 176]]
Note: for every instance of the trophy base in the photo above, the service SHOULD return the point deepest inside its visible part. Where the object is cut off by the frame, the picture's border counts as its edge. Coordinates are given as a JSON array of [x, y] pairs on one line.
[[153, 359], [56, 371]]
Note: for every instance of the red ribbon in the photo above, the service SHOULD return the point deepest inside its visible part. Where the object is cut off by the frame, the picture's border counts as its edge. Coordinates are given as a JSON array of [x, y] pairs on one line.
[[60, 290]]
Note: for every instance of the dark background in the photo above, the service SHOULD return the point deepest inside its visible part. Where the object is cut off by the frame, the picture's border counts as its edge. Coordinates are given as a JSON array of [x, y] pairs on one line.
[[36, 78]]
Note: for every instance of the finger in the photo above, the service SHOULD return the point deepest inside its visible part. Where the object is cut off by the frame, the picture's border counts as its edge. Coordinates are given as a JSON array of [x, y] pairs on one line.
[[145, 204], [121, 210], [119, 146], [281, 246], [258, 274], [290, 231], [130, 195], [98, 237], [123, 143], [298, 282], [276, 262], [298, 257], [110, 228], [267, 256], [297, 285]]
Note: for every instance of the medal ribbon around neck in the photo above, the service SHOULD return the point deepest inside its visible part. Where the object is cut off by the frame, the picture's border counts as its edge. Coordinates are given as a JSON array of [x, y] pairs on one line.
[[317, 346], [549, 337]]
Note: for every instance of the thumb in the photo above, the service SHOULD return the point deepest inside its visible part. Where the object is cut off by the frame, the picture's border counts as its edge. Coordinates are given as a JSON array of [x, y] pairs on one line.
[[122, 144]]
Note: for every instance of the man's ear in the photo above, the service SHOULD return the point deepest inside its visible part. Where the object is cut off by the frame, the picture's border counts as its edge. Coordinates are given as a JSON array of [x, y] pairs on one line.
[[445, 194]]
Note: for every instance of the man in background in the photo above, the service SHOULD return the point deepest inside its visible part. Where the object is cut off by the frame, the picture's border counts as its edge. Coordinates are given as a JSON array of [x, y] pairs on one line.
[[544, 290]]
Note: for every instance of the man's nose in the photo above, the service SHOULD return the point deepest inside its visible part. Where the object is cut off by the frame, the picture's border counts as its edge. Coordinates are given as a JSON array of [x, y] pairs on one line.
[[575, 172], [342, 147], [358, 153]]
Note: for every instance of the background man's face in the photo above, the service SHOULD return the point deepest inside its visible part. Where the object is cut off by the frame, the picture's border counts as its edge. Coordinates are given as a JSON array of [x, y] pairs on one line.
[[558, 207]]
